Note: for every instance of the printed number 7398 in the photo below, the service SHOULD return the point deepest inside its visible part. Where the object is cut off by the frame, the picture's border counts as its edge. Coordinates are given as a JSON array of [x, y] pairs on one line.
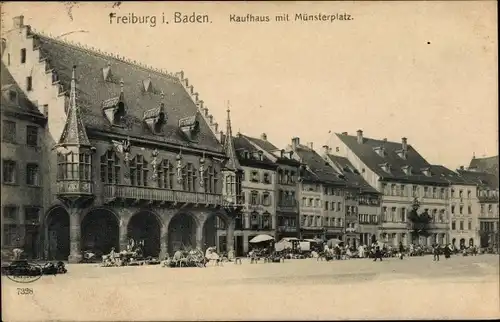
[[24, 291]]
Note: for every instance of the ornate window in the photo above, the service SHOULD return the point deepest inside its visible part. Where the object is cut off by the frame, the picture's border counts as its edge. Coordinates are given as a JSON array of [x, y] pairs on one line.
[[139, 171], [189, 178], [74, 166], [110, 168], [210, 180], [166, 173]]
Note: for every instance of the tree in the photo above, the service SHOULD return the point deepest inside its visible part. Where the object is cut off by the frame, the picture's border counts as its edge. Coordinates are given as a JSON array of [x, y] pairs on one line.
[[419, 222]]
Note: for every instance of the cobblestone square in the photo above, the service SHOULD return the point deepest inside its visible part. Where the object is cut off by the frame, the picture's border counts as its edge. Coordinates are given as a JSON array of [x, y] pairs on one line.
[[461, 287]]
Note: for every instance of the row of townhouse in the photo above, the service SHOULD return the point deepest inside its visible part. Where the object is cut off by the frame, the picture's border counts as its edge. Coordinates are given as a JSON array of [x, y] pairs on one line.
[[94, 156]]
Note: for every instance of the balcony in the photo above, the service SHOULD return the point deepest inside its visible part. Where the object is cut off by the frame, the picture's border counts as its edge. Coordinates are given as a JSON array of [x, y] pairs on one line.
[[161, 196], [287, 229], [488, 199], [287, 207]]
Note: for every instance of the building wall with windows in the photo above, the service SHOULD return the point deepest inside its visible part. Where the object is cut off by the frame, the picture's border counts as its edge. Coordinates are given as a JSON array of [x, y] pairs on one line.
[[464, 215], [23, 164], [401, 174]]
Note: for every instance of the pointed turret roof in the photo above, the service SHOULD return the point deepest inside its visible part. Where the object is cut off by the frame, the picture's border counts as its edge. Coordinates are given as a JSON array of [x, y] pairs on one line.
[[232, 163], [74, 133]]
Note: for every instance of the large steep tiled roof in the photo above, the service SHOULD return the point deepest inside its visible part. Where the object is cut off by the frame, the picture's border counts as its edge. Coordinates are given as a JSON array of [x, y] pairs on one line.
[[451, 176], [351, 174], [319, 167], [489, 164], [23, 104], [365, 151], [93, 91]]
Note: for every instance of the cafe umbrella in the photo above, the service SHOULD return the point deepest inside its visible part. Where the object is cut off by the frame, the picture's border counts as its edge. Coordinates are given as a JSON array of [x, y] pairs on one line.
[[261, 238]]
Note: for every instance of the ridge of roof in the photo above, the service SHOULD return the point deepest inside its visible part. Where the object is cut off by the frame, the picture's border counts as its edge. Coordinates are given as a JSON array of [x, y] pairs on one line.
[[101, 53], [270, 149]]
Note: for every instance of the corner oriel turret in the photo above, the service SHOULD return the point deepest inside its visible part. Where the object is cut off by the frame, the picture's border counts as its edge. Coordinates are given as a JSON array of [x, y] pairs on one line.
[[74, 155], [232, 171]]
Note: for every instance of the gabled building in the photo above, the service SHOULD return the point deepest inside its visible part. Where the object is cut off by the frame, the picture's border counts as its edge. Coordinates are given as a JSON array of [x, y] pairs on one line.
[[367, 198], [23, 163], [131, 151], [463, 208], [487, 195], [286, 186], [323, 195], [398, 171]]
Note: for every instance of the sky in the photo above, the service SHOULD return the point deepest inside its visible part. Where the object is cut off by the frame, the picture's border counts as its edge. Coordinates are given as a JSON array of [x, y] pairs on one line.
[[422, 70]]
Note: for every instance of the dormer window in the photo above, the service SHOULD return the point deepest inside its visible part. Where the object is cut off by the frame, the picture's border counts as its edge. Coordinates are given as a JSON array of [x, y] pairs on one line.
[[147, 84], [401, 154], [13, 96], [426, 172], [407, 170], [386, 167], [190, 126], [106, 73], [155, 118], [380, 151], [114, 110]]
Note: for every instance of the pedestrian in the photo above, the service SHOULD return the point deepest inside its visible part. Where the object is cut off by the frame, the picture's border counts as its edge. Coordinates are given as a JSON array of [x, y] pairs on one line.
[[401, 250], [378, 254], [436, 252], [447, 252]]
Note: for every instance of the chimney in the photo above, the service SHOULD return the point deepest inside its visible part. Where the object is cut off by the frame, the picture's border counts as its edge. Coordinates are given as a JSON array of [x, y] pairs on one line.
[[461, 167], [360, 136], [263, 136], [216, 127], [291, 154], [282, 153], [18, 22], [295, 142], [344, 133], [311, 145], [3, 45], [326, 149], [221, 137], [404, 143]]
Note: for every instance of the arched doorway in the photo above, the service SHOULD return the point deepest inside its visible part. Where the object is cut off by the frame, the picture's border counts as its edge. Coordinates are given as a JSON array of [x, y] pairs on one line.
[[145, 227], [100, 232], [471, 242], [462, 243], [181, 233], [58, 244], [215, 233]]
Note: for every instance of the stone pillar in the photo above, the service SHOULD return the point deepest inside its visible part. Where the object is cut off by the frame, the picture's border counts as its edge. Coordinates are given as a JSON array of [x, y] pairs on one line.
[[247, 220], [163, 241], [230, 235], [123, 234], [199, 237], [245, 243], [75, 255]]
